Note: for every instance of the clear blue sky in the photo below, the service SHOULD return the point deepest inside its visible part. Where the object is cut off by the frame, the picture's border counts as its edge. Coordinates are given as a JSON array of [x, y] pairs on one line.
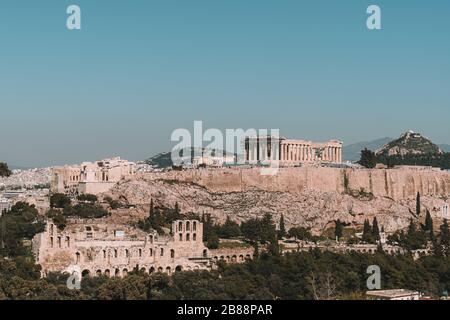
[[140, 69]]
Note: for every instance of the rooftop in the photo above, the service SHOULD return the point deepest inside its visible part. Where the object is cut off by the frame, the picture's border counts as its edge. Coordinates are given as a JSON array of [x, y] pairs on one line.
[[394, 293]]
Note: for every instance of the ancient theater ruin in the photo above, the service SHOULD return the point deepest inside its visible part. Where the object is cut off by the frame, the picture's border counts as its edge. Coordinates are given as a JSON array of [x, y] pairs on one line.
[[95, 248]]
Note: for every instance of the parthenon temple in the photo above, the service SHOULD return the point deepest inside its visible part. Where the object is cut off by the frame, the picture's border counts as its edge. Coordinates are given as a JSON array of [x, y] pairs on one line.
[[291, 152]]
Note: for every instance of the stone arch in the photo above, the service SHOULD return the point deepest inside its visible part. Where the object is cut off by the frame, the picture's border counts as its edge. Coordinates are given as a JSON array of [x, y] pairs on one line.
[[117, 272], [234, 258], [107, 273], [98, 273], [247, 256], [151, 270], [125, 272], [143, 270], [172, 253], [205, 253], [169, 270], [160, 269], [241, 258], [178, 268], [85, 273]]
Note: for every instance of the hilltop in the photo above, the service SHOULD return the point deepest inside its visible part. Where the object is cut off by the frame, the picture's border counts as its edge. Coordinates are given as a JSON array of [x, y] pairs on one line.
[[409, 143]]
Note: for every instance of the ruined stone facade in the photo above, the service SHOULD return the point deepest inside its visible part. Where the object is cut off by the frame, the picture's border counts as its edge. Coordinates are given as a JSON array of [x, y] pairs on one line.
[[91, 177], [99, 248], [291, 152]]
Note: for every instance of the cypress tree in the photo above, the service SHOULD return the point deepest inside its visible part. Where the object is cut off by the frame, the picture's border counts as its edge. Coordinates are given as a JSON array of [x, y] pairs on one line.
[[445, 237], [338, 229], [418, 204], [282, 231], [151, 208], [367, 232], [429, 225], [375, 229]]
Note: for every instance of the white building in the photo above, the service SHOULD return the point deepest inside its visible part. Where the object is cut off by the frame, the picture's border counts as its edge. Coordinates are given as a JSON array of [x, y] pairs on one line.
[[5, 205], [213, 161], [91, 177], [445, 211], [395, 294]]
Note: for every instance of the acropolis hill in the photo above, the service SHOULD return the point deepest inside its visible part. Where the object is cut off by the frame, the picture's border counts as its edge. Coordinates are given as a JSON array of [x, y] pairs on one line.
[[308, 196]]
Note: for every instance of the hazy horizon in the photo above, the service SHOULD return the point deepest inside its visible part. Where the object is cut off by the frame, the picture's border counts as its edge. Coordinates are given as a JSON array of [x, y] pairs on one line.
[[138, 70]]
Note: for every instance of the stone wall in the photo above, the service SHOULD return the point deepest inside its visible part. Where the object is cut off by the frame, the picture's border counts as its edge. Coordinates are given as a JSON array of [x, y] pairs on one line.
[[398, 184]]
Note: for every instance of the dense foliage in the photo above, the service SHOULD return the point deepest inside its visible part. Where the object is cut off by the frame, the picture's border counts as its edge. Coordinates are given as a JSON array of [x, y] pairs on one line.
[[61, 208], [304, 275], [4, 170], [300, 275], [368, 158], [437, 160], [18, 225]]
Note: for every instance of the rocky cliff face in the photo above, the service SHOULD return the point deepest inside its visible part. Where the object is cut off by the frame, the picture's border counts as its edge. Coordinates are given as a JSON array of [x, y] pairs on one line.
[[311, 197]]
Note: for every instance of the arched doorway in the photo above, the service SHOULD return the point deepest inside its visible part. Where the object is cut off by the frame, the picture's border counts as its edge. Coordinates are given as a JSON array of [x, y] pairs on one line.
[[178, 268]]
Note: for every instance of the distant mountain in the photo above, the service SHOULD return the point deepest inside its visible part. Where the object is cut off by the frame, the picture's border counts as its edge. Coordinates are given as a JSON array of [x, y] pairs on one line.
[[444, 147], [164, 159], [160, 161], [409, 143], [352, 152]]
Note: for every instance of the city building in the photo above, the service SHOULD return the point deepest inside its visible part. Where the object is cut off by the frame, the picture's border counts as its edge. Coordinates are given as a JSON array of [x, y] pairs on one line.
[[5, 205], [291, 152], [213, 161], [395, 294], [91, 177]]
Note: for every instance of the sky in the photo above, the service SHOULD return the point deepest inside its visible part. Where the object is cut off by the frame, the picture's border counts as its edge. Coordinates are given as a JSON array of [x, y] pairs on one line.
[[138, 70]]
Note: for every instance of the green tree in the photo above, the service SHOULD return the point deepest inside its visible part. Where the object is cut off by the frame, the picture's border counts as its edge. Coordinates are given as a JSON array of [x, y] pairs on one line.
[[22, 222], [338, 229], [428, 227], [59, 200], [4, 170], [282, 228], [367, 232], [418, 204], [375, 229], [251, 229], [300, 233], [91, 198], [444, 238], [229, 229], [213, 240], [368, 158]]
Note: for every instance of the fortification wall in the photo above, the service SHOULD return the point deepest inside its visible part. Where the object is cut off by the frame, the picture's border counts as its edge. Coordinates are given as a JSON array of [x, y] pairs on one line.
[[397, 184]]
